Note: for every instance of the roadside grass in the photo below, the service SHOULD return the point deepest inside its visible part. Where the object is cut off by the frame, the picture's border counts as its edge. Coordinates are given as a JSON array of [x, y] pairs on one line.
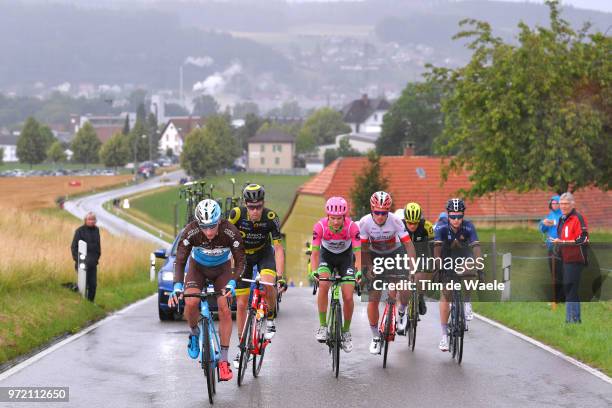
[[59, 166], [588, 342], [158, 206], [35, 261]]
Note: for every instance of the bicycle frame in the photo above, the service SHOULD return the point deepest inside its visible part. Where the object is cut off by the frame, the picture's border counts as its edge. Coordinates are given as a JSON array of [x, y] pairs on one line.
[[206, 315]]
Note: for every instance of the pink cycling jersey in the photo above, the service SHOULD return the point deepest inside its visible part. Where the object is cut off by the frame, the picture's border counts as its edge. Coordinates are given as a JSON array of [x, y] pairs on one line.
[[336, 241], [384, 238]]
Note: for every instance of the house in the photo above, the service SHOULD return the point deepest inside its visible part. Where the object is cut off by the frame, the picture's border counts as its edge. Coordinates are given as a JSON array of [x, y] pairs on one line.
[[365, 115], [104, 126], [270, 150], [362, 142], [417, 178], [8, 143], [176, 130]]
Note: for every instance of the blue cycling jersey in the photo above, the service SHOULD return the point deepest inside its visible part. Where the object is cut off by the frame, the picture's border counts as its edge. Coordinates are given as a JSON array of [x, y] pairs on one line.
[[210, 257], [465, 235]]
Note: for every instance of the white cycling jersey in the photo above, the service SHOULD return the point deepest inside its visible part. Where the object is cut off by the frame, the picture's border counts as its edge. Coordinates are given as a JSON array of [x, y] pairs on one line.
[[383, 239]]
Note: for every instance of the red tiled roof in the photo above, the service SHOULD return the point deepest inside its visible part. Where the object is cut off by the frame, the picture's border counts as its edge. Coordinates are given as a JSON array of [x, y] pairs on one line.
[[106, 132], [406, 186]]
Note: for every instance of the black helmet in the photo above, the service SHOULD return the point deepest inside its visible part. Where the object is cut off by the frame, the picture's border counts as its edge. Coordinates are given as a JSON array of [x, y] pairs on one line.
[[456, 205], [253, 193]]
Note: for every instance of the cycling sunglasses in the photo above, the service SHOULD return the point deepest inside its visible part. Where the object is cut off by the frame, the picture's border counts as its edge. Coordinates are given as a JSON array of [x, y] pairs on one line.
[[254, 207], [207, 227], [456, 217], [380, 212]]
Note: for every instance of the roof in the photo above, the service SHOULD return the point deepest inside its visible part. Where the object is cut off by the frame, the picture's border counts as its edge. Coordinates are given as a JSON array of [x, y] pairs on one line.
[[360, 109], [406, 186], [8, 139], [184, 124], [272, 136], [106, 132]]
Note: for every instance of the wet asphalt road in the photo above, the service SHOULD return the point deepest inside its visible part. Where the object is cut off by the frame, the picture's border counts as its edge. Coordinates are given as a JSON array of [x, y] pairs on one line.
[[134, 360]]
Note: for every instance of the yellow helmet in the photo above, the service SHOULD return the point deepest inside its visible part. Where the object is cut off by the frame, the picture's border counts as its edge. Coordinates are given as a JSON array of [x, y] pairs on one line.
[[412, 213]]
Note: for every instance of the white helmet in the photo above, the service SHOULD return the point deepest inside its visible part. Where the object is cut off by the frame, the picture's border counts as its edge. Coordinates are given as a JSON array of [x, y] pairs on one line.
[[207, 213]]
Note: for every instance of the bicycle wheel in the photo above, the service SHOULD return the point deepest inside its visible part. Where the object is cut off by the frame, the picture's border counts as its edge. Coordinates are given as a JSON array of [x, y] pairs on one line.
[[207, 360], [245, 347], [387, 332], [260, 330], [337, 330], [452, 332], [413, 318], [460, 331]]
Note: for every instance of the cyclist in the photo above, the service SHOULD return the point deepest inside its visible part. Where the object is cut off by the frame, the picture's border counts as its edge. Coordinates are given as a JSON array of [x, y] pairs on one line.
[[335, 239], [208, 243], [385, 236], [260, 230], [457, 238], [421, 233]]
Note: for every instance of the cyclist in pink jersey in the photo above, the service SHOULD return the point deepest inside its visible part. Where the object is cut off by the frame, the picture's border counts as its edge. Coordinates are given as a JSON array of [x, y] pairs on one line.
[[383, 236], [335, 239]]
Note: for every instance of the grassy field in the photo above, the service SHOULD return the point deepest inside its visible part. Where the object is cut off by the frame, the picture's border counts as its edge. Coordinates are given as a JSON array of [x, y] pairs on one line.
[[51, 166], [35, 261], [157, 208]]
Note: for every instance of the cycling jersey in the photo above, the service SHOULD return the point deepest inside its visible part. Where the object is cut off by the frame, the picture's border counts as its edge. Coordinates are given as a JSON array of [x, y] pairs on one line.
[[383, 239], [421, 237], [457, 243], [209, 253], [256, 234], [336, 241]]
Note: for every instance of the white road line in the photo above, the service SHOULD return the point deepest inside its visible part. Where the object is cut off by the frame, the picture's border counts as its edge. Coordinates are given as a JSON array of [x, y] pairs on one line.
[[543, 346], [38, 356]]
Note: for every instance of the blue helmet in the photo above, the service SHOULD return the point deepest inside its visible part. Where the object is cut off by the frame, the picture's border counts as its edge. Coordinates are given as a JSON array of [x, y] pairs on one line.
[[208, 213]]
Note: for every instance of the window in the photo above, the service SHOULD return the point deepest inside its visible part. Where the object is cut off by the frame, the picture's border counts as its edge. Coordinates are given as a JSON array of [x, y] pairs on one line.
[[277, 160], [263, 148], [375, 117], [262, 160], [279, 148]]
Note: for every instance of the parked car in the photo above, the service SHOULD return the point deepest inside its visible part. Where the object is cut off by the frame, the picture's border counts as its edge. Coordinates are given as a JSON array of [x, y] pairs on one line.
[[165, 283], [147, 169]]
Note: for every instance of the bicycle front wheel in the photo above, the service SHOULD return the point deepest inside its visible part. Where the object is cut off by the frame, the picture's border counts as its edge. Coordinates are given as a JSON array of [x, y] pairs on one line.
[[259, 331], [337, 333], [460, 331], [245, 347], [207, 360], [413, 318], [387, 333]]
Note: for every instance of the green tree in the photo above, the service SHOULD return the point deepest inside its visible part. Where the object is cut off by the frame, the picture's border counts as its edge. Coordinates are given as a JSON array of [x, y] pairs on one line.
[[344, 150], [370, 180], [55, 153], [31, 145], [1, 156], [205, 106], [126, 125], [329, 156], [153, 136], [139, 145], [115, 152], [535, 115], [48, 136], [209, 149], [86, 145], [415, 117], [290, 109], [321, 127], [141, 113], [252, 123]]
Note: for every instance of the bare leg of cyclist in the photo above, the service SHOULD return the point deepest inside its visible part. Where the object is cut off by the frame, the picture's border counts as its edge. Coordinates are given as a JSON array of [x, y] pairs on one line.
[[373, 315], [192, 307], [348, 303], [225, 322], [269, 276], [322, 301], [241, 311], [444, 313]]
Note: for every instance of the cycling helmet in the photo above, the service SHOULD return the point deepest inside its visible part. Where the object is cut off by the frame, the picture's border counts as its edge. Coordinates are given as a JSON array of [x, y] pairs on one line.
[[336, 206], [207, 213], [381, 199], [456, 205], [253, 193], [412, 212]]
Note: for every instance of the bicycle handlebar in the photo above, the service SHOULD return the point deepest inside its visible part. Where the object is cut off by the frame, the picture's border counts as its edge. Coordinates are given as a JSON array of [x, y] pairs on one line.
[[258, 281]]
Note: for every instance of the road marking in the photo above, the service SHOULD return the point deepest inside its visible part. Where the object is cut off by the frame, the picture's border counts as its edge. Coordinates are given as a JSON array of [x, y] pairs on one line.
[[15, 369], [543, 346]]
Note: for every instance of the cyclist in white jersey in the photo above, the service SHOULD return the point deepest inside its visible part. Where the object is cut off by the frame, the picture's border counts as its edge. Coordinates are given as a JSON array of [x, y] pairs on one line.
[[383, 236]]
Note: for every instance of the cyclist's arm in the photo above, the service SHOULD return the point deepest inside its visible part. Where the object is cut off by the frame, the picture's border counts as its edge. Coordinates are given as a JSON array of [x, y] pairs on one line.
[[279, 251], [237, 249], [315, 247], [183, 250]]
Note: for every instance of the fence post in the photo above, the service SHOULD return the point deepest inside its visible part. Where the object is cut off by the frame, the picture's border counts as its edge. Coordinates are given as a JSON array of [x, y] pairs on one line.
[[506, 267], [82, 269], [152, 269]]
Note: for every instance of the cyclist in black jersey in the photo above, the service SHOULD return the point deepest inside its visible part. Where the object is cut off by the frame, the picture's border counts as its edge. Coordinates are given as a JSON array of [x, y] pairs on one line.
[[421, 234], [260, 230]]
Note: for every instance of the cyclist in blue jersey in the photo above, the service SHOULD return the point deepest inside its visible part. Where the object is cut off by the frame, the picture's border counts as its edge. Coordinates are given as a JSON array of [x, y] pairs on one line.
[[455, 238], [208, 243]]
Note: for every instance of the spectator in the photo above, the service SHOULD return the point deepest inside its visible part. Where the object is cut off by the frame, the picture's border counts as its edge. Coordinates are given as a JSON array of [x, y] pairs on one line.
[[548, 227], [442, 218], [573, 237], [89, 233]]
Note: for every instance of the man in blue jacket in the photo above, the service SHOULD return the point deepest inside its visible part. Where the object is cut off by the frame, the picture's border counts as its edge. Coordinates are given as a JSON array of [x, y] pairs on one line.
[[548, 227]]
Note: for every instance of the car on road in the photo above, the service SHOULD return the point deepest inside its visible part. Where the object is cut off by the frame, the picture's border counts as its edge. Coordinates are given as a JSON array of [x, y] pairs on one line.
[[165, 283]]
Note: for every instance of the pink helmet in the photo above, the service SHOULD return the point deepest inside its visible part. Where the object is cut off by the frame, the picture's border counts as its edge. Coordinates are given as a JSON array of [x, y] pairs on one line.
[[336, 206]]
